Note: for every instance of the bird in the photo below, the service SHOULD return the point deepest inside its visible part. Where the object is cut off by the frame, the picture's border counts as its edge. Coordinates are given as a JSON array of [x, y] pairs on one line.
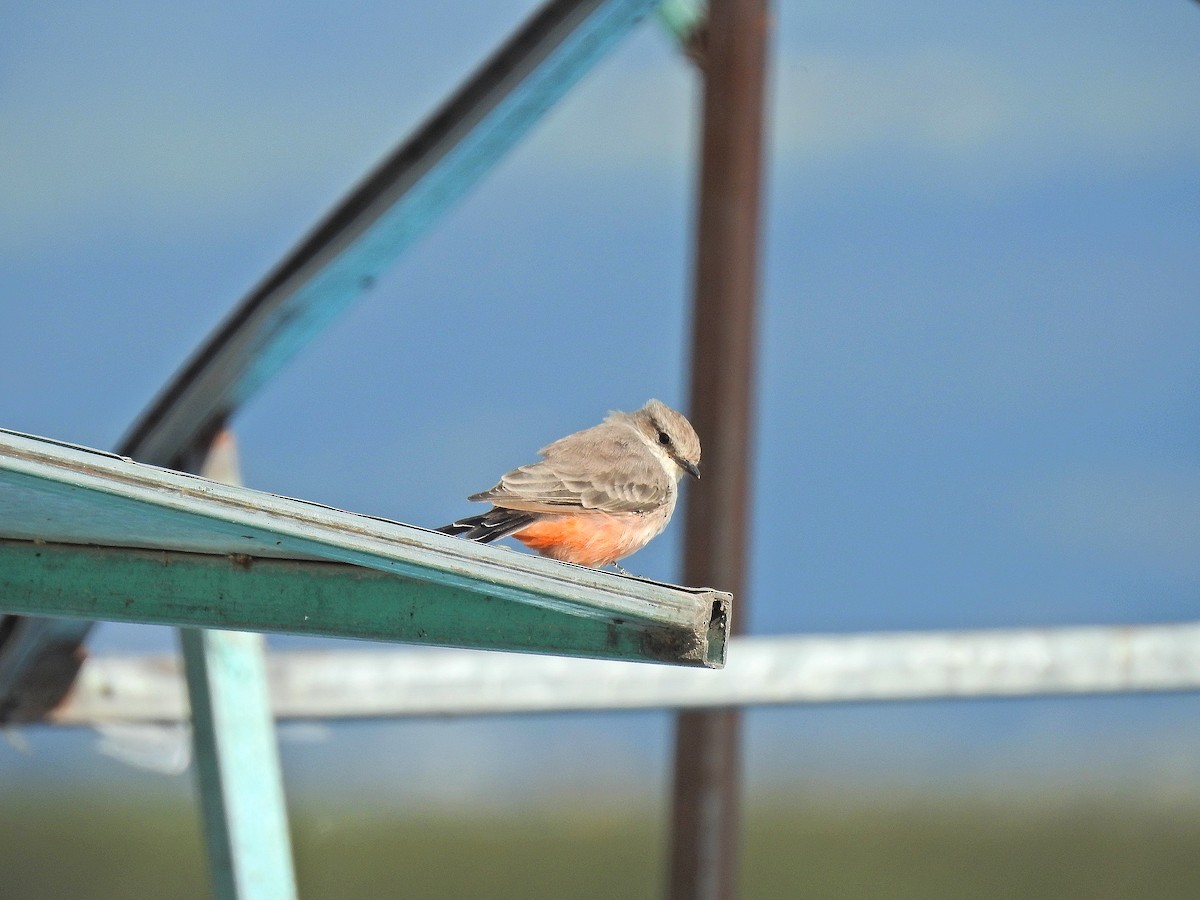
[[597, 495]]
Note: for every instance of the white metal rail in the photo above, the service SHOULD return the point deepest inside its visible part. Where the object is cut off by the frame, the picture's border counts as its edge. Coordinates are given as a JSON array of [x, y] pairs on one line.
[[760, 671]]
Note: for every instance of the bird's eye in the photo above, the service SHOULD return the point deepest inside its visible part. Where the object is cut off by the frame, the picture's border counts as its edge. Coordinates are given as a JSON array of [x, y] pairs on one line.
[[664, 438]]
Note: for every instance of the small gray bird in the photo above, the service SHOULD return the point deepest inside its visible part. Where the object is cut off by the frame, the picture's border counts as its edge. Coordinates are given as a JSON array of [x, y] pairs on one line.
[[597, 495]]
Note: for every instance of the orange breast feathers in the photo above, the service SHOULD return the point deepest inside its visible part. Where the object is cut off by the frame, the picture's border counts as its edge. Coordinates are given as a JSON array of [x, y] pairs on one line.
[[591, 539]]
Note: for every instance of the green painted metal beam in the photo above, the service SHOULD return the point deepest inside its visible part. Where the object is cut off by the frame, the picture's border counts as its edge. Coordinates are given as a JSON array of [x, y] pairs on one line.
[[207, 554], [237, 766], [321, 599], [59, 493]]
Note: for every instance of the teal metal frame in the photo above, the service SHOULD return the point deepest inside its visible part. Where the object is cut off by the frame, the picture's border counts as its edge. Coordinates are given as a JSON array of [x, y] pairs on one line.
[[337, 262], [238, 776], [190, 556], [92, 536]]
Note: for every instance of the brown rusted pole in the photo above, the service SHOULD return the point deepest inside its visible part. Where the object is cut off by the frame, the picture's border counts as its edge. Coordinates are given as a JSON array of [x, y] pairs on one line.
[[707, 790]]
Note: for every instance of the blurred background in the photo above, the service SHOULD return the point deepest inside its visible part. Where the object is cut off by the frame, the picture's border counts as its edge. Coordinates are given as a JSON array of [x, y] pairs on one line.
[[978, 407]]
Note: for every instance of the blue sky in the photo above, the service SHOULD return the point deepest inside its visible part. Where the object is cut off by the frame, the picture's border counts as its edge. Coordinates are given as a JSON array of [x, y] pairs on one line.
[[978, 376]]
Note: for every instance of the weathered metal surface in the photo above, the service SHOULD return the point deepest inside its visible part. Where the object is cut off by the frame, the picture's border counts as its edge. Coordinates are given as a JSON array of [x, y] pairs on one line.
[[322, 599], [70, 495], [237, 766], [248, 560], [732, 52], [762, 671]]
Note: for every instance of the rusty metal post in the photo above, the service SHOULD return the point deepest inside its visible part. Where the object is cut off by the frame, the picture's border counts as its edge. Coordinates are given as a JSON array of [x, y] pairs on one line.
[[706, 790]]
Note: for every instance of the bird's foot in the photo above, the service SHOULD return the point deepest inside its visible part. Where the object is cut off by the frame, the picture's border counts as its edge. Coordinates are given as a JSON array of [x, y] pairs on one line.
[[620, 571]]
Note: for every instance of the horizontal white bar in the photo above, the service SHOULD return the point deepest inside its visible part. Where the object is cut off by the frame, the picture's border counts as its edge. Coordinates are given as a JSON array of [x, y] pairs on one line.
[[760, 670]]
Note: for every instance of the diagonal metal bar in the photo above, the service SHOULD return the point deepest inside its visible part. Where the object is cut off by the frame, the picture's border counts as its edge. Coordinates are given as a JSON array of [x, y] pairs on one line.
[[57, 495], [334, 265], [380, 219]]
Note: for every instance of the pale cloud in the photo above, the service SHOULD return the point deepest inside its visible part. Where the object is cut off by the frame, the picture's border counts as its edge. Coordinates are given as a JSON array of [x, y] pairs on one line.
[[139, 117], [79, 152], [987, 117], [149, 157], [831, 106], [970, 118]]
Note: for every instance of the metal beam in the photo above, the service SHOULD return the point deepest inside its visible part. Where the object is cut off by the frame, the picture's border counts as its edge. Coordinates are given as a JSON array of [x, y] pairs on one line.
[[762, 671], [69, 495], [732, 53], [88, 534], [321, 599], [237, 766], [393, 206]]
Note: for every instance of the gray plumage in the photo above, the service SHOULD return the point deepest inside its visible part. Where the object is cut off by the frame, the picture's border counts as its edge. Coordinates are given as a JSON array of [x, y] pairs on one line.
[[630, 463]]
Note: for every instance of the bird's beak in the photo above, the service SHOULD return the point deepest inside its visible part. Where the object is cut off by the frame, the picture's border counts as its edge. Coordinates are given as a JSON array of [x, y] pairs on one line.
[[691, 468]]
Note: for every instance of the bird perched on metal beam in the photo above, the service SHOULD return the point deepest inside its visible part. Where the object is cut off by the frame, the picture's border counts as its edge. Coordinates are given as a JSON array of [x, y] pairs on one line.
[[597, 495]]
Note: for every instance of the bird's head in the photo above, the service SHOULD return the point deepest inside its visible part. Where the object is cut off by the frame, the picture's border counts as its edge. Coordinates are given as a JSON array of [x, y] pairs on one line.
[[672, 433]]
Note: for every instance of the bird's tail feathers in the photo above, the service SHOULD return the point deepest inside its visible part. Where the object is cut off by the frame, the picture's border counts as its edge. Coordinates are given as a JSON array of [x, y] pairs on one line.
[[490, 526]]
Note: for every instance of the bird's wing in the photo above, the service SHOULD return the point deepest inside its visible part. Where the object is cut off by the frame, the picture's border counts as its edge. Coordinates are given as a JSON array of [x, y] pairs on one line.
[[603, 469]]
